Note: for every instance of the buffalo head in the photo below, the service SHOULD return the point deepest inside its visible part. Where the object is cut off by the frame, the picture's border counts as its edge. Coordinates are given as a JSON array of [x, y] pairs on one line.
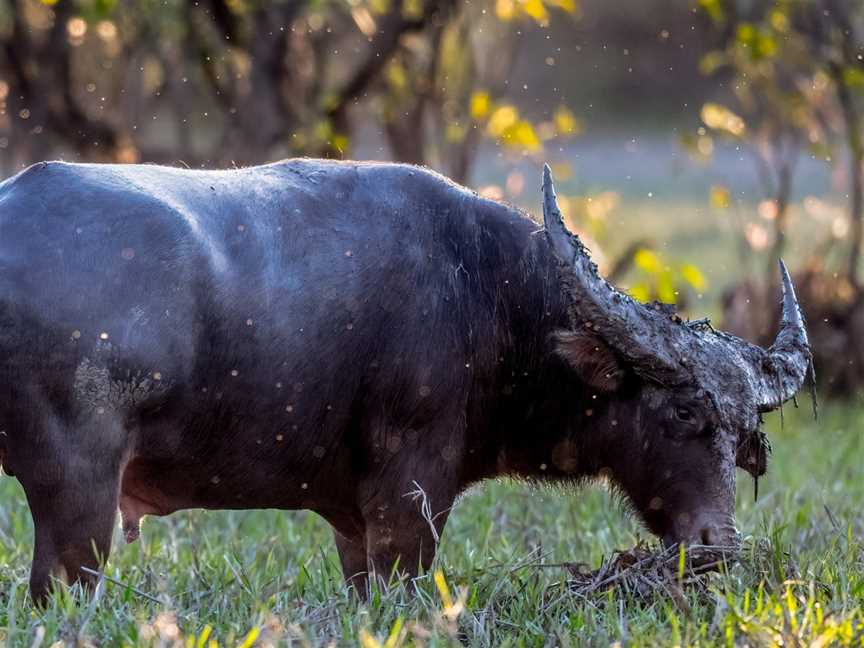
[[684, 400]]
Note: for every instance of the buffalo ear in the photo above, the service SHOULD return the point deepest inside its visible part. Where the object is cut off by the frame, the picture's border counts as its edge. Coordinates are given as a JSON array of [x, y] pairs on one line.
[[753, 452], [591, 358]]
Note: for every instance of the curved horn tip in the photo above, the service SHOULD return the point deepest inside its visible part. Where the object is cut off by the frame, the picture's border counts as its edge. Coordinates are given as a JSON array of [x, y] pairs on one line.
[[784, 273], [550, 200], [553, 221], [791, 310], [787, 372]]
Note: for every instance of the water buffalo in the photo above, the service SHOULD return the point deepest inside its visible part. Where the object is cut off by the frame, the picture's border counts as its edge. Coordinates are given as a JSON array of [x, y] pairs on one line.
[[336, 336]]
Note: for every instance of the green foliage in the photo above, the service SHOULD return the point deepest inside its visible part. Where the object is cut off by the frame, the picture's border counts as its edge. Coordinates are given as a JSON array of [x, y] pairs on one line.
[[446, 119], [243, 81], [655, 275], [774, 77], [757, 42], [658, 279], [714, 9], [536, 10], [781, 64]]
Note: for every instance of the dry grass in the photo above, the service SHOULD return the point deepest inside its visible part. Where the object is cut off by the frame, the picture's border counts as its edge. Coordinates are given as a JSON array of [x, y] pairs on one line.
[[643, 574]]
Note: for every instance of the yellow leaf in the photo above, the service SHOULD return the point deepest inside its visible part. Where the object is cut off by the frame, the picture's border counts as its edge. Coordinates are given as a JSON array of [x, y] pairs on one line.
[[250, 639], [640, 292], [648, 261], [566, 122], [746, 34], [503, 118], [379, 6], [536, 10], [480, 105], [721, 118], [719, 196], [340, 142], [412, 9], [396, 75], [665, 288], [567, 5], [521, 135], [50, 3], [693, 276], [367, 640], [443, 590], [393, 637], [766, 45], [505, 10], [204, 636], [853, 77], [714, 9], [779, 20]]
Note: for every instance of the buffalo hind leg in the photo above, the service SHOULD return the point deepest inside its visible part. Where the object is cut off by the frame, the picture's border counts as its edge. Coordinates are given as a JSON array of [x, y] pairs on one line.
[[73, 531], [73, 498]]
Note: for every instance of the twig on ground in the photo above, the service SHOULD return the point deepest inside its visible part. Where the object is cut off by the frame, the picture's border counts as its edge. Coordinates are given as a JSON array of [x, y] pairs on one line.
[[121, 584], [641, 573]]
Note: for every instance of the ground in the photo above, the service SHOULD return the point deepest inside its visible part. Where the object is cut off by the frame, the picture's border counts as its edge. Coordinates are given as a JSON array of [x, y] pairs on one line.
[[267, 576]]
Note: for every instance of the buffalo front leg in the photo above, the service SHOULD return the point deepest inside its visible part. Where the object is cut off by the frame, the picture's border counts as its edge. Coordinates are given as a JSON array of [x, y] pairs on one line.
[[403, 529]]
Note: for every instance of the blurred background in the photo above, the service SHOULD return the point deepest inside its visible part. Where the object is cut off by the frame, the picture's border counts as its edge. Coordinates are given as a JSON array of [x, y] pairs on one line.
[[694, 141]]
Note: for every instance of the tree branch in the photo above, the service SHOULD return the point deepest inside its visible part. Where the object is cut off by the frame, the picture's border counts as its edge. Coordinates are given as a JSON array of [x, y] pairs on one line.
[[392, 27]]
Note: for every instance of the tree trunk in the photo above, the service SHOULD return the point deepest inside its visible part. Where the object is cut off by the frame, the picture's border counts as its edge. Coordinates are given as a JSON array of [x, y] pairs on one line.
[[856, 206], [856, 155], [781, 202]]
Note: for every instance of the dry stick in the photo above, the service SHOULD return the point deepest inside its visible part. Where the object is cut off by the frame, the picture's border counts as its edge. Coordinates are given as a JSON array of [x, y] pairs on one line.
[[618, 575], [120, 583], [531, 561], [695, 570]]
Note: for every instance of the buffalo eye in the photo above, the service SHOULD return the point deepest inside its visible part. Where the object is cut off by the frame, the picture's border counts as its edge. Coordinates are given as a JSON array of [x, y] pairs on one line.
[[684, 415]]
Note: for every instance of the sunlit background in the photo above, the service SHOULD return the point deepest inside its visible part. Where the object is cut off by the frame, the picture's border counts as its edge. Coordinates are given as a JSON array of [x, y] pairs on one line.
[[687, 136], [694, 142]]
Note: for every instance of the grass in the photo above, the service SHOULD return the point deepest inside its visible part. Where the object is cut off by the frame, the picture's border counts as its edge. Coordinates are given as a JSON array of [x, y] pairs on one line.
[[267, 576]]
